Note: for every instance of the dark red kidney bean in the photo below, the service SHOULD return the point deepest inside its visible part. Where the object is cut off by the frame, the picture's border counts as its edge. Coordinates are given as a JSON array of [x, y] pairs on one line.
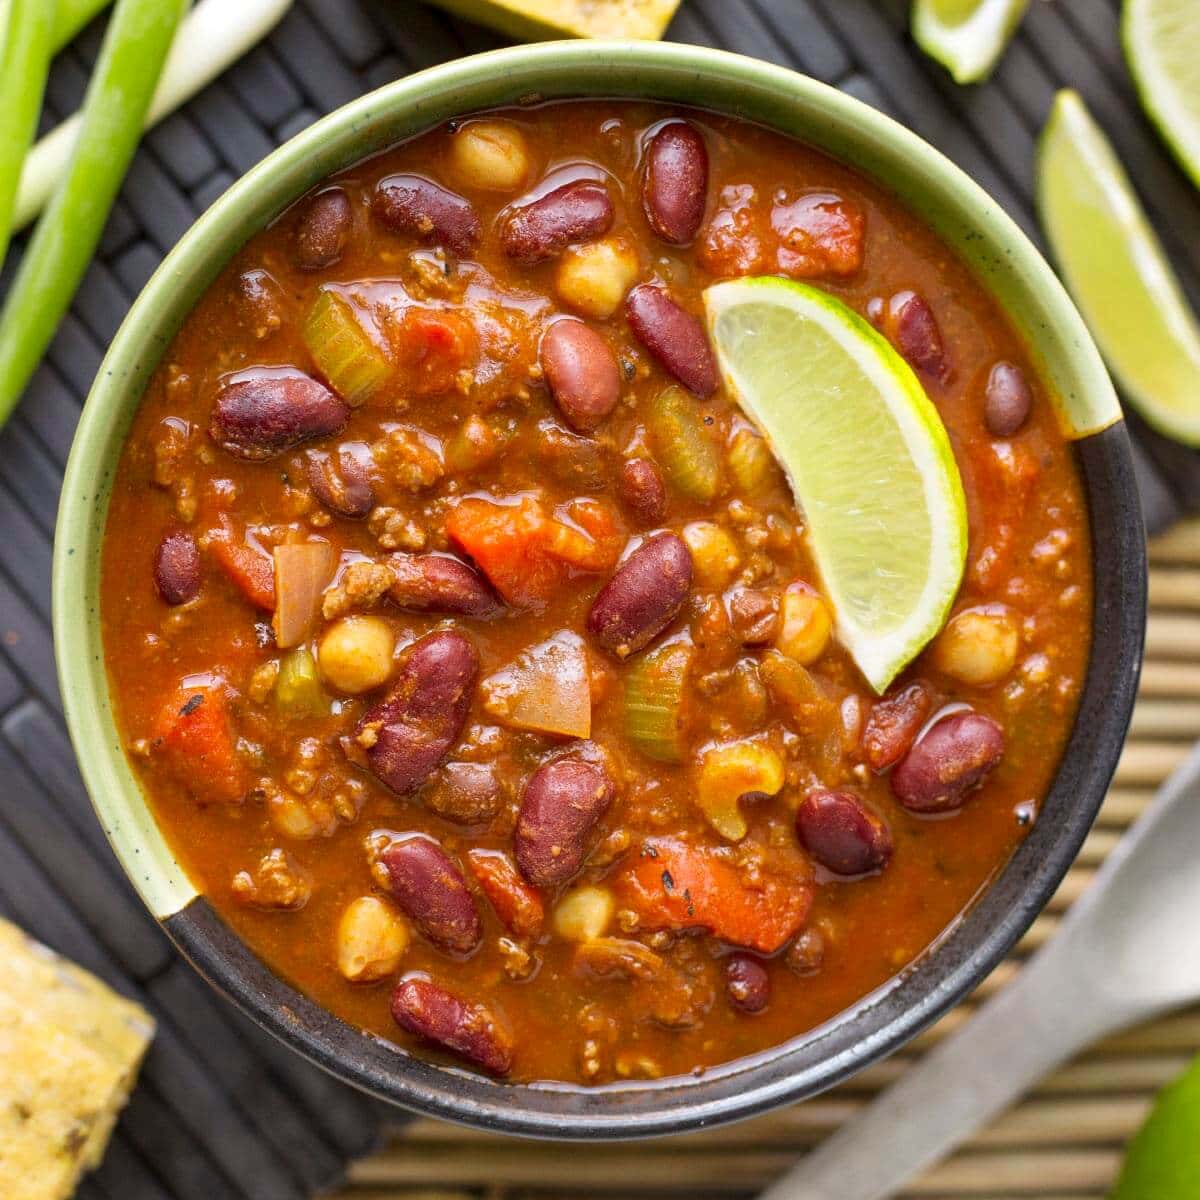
[[950, 761], [893, 726], [645, 594], [416, 206], [1007, 400], [561, 806], [323, 230], [917, 335], [673, 336], [581, 372], [177, 567], [417, 724], [675, 185], [341, 479], [841, 834], [642, 490], [469, 1030], [546, 226], [442, 584], [753, 615], [747, 983], [264, 415], [466, 793], [429, 888]]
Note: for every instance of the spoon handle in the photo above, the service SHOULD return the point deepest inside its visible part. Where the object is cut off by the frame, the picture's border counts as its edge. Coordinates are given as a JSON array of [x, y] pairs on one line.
[[1040, 1019]]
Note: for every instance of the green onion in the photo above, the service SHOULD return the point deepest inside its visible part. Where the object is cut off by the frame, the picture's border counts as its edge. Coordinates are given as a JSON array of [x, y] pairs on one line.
[[69, 17], [655, 695], [26, 29], [685, 452], [135, 48], [215, 34], [343, 350], [298, 690]]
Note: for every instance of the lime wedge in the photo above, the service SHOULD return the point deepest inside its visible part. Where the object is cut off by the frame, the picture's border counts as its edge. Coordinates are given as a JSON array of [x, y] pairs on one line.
[[1116, 271], [1164, 1157], [867, 456], [1162, 44], [966, 36]]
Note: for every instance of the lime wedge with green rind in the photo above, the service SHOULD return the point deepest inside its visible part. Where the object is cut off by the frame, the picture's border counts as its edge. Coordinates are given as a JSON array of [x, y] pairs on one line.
[[867, 455], [1115, 269], [966, 36], [1163, 1160], [1162, 46]]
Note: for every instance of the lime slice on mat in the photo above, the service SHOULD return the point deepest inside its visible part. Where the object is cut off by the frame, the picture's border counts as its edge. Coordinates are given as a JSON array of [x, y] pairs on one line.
[[867, 456], [1163, 1162], [1114, 266], [966, 36], [1162, 44]]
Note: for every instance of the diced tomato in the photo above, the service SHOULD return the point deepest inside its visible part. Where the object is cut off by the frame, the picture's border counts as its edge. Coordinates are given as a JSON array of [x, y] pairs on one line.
[[195, 739], [819, 234], [509, 544], [732, 243], [673, 885], [247, 564], [1004, 478], [432, 347], [598, 547], [518, 906]]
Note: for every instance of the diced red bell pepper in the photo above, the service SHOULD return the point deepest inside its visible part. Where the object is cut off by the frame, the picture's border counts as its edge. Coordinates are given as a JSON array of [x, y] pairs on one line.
[[249, 567], [195, 740], [518, 906]]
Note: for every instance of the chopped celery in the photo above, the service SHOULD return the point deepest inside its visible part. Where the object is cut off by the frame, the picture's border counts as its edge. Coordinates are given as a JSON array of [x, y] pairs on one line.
[[687, 455], [298, 690], [343, 350], [655, 692], [750, 460], [477, 441]]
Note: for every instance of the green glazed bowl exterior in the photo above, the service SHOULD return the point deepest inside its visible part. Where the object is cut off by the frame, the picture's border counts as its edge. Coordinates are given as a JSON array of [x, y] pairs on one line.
[[1006, 264]]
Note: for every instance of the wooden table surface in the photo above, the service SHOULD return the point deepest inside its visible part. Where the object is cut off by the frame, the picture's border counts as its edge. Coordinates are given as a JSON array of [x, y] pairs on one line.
[[1064, 1140]]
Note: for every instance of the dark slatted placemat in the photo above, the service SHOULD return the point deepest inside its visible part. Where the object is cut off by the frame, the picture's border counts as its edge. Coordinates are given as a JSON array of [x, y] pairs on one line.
[[222, 1111]]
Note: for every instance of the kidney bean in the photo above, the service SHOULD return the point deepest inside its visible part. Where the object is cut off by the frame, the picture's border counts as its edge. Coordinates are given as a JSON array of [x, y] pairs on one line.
[[545, 227], [645, 594], [323, 230], [893, 725], [440, 583], [1007, 400], [469, 1030], [177, 567], [950, 761], [413, 205], [917, 336], [414, 727], [839, 832], [341, 480], [642, 490], [430, 889], [754, 615], [747, 983], [562, 804], [581, 372], [673, 336], [467, 793], [261, 416], [675, 185]]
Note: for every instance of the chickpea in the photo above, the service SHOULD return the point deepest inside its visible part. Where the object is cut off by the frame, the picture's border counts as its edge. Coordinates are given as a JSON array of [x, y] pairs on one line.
[[805, 625], [979, 645], [371, 940], [491, 155], [584, 914], [715, 557], [593, 278], [355, 654]]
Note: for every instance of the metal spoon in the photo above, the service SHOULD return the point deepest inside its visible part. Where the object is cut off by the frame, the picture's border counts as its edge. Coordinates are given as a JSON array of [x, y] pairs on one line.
[[1127, 950]]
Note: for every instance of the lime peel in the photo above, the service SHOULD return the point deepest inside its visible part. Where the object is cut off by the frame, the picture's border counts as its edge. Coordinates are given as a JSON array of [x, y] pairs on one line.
[[966, 36], [1117, 272], [867, 456]]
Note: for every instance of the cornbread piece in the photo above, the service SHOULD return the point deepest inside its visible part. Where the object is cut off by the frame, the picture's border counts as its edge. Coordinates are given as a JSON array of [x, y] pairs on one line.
[[535, 20], [56, 1009]]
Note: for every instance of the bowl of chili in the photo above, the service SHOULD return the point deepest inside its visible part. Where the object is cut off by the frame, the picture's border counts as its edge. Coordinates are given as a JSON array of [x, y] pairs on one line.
[[167, 736]]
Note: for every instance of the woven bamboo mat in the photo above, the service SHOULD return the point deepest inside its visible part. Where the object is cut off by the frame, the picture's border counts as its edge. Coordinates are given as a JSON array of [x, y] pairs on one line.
[[1065, 1140]]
